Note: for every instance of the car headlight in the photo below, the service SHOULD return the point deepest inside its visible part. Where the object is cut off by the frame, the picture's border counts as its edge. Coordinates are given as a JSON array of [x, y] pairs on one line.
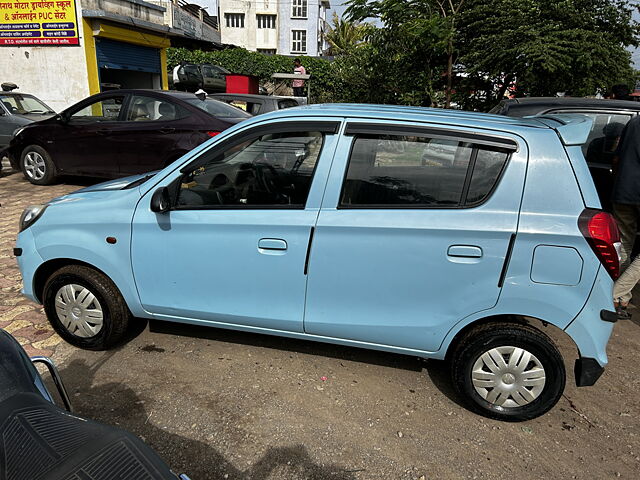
[[30, 215]]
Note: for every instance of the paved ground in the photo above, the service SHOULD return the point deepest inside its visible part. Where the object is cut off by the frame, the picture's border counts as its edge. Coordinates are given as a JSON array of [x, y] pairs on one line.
[[226, 405], [23, 319]]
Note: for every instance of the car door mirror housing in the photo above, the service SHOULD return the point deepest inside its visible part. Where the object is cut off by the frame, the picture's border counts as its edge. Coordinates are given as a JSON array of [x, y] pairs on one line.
[[161, 200]]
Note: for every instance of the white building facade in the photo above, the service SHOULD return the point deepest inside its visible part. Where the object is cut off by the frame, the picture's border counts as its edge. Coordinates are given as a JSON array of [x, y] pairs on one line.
[[286, 27]]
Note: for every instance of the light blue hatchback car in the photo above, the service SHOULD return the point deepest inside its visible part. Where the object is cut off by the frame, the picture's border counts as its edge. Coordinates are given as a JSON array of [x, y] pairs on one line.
[[433, 233]]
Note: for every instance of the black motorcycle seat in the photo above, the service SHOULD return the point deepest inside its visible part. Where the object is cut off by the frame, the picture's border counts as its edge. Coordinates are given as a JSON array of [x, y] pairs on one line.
[[17, 373], [40, 441]]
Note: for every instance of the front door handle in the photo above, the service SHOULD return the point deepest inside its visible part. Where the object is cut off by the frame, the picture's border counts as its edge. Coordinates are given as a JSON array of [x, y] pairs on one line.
[[103, 131], [468, 251], [272, 244]]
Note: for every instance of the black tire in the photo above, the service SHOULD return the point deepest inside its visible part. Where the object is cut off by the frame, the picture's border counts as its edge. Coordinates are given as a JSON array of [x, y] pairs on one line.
[[115, 313], [45, 173], [491, 336]]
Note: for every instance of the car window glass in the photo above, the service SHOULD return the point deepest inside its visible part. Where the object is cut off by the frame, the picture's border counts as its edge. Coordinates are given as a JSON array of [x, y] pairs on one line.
[[273, 170], [487, 168], [217, 108], [144, 109], [390, 170], [24, 104], [604, 136], [105, 110], [287, 104]]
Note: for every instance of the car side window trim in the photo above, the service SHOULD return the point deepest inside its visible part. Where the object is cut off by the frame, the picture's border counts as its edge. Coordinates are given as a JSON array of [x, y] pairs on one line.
[[328, 127], [431, 132]]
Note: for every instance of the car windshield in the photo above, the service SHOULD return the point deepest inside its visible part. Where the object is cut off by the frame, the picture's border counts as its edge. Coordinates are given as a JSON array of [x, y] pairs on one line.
[[24, 104], [218, 109]]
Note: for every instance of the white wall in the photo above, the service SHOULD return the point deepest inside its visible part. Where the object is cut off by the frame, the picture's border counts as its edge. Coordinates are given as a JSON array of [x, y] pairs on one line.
[[55, 74]]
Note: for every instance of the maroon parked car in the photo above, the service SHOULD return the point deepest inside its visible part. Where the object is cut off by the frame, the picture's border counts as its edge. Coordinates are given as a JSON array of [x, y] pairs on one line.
[[118, 133]]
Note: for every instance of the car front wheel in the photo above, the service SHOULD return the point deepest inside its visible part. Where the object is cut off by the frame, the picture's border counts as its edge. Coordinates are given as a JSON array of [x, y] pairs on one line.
[[508, 372], [37, 166], [85, 307]]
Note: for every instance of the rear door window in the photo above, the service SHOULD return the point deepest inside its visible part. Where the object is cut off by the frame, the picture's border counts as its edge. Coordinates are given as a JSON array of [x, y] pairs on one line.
[[143, 108], [399, 171]]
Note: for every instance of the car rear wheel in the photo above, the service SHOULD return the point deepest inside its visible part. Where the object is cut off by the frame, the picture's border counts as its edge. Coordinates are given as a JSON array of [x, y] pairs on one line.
[[508, 371], [37, 166], [85, 308]]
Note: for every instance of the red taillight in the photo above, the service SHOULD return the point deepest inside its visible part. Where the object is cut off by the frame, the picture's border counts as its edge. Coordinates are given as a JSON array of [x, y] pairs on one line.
[[213, 134], [601, 231]]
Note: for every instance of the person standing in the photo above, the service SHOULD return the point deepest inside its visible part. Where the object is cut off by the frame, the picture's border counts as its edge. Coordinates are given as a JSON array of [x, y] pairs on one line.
[[626, 210], [298, 85]]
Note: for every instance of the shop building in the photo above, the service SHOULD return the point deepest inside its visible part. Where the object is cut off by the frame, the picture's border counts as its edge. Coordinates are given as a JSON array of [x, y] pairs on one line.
[[64, 50]]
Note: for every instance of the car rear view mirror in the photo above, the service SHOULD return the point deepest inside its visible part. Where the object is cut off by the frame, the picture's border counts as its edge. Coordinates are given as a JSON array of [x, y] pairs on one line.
[[161, 200]]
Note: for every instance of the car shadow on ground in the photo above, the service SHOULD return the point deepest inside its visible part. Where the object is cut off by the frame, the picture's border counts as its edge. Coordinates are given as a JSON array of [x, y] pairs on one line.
[[116, 404], [306, 347], [437, 370]]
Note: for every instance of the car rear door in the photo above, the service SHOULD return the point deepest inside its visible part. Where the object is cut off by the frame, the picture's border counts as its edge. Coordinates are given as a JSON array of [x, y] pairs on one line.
[[413, 233], [153, 132]]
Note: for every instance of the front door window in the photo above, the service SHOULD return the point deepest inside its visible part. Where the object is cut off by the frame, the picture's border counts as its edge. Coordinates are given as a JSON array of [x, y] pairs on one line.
[[104, 110], [273, 170]]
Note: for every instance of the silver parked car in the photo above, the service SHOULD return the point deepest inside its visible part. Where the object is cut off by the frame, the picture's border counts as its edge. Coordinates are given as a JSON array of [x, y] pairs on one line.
[[16, 110]]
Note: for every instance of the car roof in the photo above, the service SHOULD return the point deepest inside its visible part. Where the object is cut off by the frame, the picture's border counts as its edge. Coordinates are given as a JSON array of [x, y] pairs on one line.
[[17, 93], [406, 113], [573, 102], [251, 96]]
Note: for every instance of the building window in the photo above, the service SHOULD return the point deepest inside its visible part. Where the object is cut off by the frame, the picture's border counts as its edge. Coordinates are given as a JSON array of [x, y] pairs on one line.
[[299, 8], [267, 51], [298, 41], [234, 20], [266, 21]]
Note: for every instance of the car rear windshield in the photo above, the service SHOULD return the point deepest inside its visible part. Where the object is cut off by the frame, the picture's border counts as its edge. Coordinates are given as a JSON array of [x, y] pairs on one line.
[[218, 109]]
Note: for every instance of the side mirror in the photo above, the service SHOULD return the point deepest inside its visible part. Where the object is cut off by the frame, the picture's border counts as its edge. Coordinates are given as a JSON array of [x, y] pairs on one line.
[[161, 200]]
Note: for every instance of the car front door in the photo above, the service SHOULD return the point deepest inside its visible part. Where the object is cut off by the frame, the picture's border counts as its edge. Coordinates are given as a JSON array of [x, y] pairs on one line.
[[83, 142], [233, 247], [411, 237]]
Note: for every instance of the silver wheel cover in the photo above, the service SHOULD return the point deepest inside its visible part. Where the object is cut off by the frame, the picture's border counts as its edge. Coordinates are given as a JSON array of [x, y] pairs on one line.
[[79, 310], [508, 377], [34, 165]]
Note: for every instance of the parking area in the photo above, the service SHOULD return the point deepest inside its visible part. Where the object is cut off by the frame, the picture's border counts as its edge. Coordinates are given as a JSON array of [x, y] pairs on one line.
[[227, 405]]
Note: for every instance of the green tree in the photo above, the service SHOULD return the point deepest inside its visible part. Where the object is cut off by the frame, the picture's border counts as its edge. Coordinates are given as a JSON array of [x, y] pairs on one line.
[[343, 35], [425, 30], [405, 58], [546, 46]]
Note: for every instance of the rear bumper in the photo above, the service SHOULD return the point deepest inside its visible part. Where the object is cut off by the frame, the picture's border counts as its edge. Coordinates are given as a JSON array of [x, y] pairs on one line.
[[591, 332]]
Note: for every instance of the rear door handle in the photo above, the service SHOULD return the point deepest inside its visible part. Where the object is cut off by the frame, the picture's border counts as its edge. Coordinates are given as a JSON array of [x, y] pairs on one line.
[[167, 130], [104, 131], [272, 244], [468, 251]]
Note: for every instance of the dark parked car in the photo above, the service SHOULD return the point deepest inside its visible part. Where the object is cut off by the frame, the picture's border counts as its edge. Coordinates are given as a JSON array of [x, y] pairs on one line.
[[119, 133], [609, 119], [191, 77], [18, 109], [257, 104]]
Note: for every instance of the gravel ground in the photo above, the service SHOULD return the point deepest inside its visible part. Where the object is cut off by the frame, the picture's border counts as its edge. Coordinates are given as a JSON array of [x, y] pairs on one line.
[[227, 405]]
